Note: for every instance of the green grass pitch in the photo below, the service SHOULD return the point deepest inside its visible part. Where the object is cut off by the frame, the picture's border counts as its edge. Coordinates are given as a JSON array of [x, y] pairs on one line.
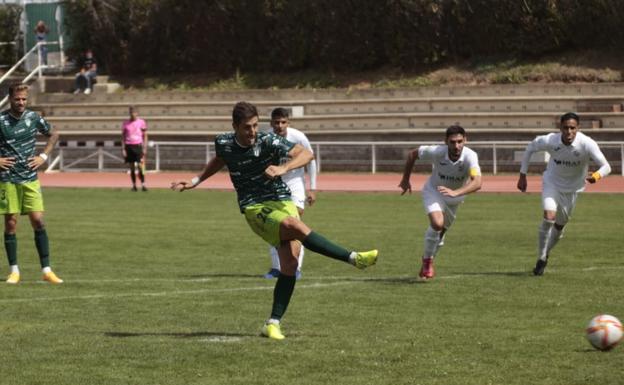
[[165, 288]]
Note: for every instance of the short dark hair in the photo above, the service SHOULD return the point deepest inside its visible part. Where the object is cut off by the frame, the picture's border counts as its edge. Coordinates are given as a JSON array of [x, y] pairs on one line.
[[570, 115], [16, 87], [279, 112], [454, 130], [242, 112]]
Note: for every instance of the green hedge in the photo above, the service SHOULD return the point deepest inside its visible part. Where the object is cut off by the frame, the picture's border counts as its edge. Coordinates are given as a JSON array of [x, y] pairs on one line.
[[191, 36]]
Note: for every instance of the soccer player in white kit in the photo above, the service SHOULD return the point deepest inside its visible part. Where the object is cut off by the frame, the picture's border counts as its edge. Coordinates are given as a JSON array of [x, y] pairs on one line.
[[455, 173], [565, 176], [295, 179]]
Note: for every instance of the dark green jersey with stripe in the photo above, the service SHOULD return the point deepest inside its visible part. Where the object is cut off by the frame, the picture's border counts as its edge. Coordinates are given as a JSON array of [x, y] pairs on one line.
[[247, 164], [17, 140]]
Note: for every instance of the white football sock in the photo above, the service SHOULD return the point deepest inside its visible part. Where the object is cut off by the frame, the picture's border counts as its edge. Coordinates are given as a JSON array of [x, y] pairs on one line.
[[555, 236], [544, 234], [432, 238], [14, 269], [301, 253], [46, 270], [275, 262]]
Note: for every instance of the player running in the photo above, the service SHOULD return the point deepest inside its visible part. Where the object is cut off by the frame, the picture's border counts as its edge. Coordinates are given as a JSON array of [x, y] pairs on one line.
[[456, 173], [253, 161], [565, 176]]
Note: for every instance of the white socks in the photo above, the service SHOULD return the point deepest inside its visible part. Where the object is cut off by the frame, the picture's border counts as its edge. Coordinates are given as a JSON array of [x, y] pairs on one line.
[[13, 269], [544, 238], [432, 239], [555, 236], [275, 262], [46, 270]]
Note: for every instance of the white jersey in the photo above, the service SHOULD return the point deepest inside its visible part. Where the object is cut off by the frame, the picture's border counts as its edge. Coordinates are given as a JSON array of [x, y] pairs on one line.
[[446, 172], [297, 175], [568, 165]]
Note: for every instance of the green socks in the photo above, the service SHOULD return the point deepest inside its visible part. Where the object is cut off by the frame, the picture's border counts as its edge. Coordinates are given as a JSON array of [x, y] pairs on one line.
[[281, 295], [10, 245], [319, 244], [41, 241]]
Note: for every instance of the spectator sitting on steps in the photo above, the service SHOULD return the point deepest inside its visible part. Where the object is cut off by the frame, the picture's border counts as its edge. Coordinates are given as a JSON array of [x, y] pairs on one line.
[[86, 78]]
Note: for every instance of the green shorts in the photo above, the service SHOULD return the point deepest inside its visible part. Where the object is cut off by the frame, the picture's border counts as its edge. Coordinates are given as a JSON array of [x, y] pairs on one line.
[[265, 218], [20, 198]]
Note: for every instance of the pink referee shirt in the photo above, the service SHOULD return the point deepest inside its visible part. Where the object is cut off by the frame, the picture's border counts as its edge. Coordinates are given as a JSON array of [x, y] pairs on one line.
[[133, 131]]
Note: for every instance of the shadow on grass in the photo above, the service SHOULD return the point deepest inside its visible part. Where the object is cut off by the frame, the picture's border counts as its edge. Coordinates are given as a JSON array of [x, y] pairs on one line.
[[178, 334]]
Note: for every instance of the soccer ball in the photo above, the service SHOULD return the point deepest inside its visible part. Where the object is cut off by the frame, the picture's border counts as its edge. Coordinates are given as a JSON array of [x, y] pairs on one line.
[[604, 331]]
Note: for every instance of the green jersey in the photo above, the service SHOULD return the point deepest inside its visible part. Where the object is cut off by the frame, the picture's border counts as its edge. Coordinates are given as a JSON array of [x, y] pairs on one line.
[[17, 140], [247, 164]]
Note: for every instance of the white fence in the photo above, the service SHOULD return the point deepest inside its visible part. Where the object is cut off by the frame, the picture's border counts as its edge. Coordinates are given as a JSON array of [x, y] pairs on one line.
[[371, 157]]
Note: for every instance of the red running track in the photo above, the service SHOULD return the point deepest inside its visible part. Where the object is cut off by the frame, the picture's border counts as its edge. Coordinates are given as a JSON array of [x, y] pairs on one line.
[[325, 181]]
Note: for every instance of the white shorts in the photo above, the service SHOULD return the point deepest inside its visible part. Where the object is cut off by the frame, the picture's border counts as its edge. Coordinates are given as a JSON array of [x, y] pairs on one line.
[[434, 201], [298, 193], [562, 203]]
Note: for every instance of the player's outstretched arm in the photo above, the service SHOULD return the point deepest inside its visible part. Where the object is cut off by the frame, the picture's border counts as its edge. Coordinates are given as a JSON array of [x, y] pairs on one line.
[[598, 157], [405, 184], [299, 157], [214, 165]]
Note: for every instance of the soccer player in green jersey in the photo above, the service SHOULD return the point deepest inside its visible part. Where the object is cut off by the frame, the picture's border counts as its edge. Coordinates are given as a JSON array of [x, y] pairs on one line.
[[20, 191], [253, 161]]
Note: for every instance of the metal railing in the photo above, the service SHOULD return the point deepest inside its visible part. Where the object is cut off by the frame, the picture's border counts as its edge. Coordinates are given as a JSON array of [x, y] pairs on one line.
[[38, 71], [93, 158]]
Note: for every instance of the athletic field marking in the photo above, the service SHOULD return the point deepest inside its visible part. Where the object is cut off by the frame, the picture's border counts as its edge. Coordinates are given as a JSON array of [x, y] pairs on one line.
[[221, 339], [321, 278], [168, 293]]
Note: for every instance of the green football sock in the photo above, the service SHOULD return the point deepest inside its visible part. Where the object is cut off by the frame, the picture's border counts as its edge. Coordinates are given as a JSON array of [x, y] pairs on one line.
[[281, 295], [10, 245], [41, 241], [319, 244]]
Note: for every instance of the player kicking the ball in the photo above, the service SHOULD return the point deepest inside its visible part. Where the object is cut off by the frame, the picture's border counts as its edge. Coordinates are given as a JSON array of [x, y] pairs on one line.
[[253, 161], [565, 176], [455, 174]]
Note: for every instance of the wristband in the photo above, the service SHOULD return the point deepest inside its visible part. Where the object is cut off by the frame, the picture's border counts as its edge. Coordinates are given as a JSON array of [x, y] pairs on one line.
[[596, 175], [195, 181], [43, 156]]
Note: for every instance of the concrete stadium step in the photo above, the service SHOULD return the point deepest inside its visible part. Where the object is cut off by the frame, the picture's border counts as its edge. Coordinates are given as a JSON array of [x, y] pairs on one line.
[[360, 106], [530, 90], [201, 123]]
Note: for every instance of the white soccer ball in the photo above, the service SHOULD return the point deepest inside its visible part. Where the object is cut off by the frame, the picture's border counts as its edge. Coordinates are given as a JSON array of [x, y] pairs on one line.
[[604, 331]]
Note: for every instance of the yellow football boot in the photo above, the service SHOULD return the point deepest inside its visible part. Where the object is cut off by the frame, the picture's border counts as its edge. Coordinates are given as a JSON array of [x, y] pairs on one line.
[[13, 278], [365, 259], [272, 331], [52, 278]]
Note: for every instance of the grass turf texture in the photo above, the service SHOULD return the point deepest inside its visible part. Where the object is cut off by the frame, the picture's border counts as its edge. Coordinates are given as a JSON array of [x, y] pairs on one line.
[[166, 288]]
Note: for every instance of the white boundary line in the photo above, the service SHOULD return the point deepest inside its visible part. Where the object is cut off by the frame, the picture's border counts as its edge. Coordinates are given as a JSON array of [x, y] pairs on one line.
[[167, 293], [340, 281]]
